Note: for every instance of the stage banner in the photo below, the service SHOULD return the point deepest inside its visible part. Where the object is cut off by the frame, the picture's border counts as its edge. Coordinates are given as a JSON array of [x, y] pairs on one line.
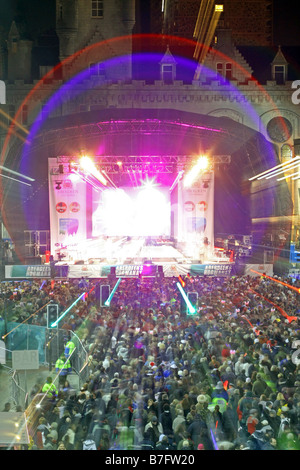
[[196, 216], [217, 270], [27, 272], [67, 208]]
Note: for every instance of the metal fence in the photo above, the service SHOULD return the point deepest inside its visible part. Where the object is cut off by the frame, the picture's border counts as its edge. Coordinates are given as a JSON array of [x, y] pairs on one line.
[[50, 344]]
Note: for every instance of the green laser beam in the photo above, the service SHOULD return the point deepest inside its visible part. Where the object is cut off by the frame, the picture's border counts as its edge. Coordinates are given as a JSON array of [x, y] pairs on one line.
[[190, 307], [107, 302], [66, 311]]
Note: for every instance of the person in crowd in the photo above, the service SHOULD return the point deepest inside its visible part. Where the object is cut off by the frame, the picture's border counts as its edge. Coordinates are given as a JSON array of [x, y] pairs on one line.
[[225, 375]]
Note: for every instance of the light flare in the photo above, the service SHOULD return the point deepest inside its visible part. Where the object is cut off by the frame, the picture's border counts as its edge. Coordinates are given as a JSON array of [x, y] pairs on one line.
[[88, 165], [200, 166]]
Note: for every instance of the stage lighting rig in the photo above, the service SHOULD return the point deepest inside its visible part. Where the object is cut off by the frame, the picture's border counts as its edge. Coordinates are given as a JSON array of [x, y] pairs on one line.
[[89, 167], [200, 167]]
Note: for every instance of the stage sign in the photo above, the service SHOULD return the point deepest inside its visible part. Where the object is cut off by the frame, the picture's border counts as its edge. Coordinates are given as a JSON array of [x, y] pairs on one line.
[[25, 272], [217, 270], [129, 270]]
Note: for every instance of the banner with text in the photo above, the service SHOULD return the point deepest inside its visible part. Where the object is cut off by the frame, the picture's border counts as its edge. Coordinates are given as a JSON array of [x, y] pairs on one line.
[[67, 208], [196, 215]]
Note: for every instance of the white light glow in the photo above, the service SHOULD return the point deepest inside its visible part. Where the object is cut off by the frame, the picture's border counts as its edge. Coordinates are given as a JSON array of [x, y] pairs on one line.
[[288, 176], [74, 177], [281, 170], [142, 211], [88, 165], [200, 166], [281, 166]]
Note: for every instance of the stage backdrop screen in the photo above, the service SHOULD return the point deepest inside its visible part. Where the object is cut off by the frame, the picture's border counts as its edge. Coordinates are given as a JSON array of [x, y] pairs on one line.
[[141, 211]]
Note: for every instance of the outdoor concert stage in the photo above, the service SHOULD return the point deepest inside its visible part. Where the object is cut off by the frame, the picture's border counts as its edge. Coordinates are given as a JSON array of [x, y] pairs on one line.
[[147, 257], [128, 257]]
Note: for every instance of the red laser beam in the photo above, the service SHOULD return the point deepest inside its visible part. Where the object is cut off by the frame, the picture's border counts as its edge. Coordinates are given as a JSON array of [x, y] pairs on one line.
[[296, 289], [253, 327], [181, 281], [289, 317]]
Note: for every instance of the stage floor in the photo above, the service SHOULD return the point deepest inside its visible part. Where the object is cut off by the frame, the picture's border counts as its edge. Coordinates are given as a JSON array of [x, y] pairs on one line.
[[129, 250], [139, 256]]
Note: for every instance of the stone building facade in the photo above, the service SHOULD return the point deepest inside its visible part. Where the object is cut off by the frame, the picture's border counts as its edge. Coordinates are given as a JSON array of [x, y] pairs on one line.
[[102, 81]]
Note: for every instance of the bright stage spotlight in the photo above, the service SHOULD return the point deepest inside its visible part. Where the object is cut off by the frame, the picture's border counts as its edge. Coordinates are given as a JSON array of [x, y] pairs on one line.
[[88, 165], [200, 166]]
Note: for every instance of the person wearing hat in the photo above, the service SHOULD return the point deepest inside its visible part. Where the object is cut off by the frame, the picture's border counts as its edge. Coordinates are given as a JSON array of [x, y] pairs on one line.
[[187, 445], [69, 351], [220, 392], [49, 388], [163, 443], [155, 428], [63, 368]]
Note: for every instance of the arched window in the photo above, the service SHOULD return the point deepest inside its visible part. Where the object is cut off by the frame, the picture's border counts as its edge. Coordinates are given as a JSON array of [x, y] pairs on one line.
[[286, 152]]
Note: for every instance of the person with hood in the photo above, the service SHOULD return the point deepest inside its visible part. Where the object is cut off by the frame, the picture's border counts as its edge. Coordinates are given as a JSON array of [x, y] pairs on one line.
[[166, 420], [259, 386], [49, 388], [261, 440], [155, 428], [163, 443], [89, 443], [196, 429]]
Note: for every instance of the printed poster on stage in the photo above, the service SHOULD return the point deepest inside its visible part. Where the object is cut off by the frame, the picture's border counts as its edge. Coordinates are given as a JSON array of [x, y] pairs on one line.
[[67, 207], [196, 215]]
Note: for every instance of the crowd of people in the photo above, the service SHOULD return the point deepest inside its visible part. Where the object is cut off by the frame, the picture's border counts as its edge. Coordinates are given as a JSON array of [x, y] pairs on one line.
[[227, 378]]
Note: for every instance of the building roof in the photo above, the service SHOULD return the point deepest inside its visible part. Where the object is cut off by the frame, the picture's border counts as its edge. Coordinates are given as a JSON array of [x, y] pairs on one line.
[[261, 59]]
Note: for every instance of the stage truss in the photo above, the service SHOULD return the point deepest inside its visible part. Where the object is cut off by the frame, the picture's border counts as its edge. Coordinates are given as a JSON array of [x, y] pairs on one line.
[[116, 164], [135, 250]]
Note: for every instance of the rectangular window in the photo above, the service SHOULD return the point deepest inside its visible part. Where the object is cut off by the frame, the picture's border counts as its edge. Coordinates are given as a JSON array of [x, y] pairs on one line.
[[167, 73], [24, 114], [228, 71], [279, 74], [11, 112], [97, 8], [220, 68], [97, 69]]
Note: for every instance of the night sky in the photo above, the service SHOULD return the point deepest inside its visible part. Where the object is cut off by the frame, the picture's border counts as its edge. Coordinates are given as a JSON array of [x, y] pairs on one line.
[[286, 26], [39, 17], [35, 15]]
